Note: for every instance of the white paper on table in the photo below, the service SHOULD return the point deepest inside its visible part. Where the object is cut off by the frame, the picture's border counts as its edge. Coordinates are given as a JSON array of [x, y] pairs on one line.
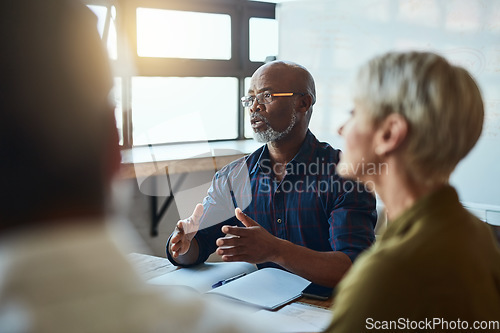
[[267, 288], [203, 276], [296, 317]]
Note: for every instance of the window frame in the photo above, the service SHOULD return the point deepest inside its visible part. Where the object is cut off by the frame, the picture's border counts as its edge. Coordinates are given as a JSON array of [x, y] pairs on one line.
[[238, 66]]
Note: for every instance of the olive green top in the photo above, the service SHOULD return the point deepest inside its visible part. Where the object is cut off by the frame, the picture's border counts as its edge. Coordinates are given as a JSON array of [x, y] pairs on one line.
[[435, 261]]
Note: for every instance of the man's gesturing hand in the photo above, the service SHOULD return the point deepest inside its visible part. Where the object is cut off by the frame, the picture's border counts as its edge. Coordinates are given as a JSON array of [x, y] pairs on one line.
[[251, 243], [184, 232]]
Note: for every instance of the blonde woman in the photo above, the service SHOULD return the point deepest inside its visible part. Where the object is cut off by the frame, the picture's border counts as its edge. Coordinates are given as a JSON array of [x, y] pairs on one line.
[[437, 267]]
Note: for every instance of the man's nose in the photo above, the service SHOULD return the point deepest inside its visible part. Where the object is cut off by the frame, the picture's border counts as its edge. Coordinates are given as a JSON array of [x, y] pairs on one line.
[[255, 107], [341, 129]]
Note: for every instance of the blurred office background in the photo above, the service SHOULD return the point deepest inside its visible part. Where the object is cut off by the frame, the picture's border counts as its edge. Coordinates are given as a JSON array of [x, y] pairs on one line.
[[181, 67]]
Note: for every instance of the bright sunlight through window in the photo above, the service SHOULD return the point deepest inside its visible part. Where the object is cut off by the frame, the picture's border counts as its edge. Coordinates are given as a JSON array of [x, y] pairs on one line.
[[181, 34], [263, 38]]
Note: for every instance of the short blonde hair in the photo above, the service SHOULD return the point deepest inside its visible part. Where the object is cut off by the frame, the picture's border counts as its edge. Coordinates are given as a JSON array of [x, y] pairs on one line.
[[441, 102]]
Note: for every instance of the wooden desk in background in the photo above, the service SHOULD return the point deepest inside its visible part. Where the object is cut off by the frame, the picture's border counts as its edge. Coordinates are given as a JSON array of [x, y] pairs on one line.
[[196, 164], [172, 164]]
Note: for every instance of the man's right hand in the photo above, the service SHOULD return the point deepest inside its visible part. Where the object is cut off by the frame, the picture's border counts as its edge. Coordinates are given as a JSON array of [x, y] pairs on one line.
[[184, 232]]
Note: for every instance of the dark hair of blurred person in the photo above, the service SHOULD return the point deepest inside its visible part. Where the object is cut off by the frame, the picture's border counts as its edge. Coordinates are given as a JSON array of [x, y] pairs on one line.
[[61, 269]]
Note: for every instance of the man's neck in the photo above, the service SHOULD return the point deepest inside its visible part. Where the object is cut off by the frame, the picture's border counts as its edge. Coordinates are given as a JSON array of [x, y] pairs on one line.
[[283, 151]]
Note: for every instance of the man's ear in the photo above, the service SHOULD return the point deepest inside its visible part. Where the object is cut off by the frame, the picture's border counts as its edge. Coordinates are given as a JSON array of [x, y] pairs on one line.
[[304, 103], [391, 133]]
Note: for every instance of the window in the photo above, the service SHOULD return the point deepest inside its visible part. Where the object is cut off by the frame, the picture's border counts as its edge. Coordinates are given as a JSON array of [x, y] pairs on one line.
[[248, 128], [117, 96], [183, 109], [263, 38], [180, 34], [106, 25], [182, 66]]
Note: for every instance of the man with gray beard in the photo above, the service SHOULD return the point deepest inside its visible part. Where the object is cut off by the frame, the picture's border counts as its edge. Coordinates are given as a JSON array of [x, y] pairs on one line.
[[309, 220]]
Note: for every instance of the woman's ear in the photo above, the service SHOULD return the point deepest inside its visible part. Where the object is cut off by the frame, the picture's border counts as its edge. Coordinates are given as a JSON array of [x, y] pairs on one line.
[[391, 133]]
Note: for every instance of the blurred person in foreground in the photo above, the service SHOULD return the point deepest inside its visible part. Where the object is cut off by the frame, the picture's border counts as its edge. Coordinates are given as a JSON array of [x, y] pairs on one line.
[[418, 115], [60, 268], [284, 202]]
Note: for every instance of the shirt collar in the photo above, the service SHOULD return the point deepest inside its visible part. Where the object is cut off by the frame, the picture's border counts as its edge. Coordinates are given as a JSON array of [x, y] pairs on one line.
[[305, 154]]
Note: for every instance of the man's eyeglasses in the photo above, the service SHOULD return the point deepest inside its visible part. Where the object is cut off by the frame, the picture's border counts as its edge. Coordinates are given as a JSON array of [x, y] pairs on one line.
[[265, 98]]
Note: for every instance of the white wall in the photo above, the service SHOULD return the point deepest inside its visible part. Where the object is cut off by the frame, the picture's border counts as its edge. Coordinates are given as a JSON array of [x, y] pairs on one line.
[[333, 38]]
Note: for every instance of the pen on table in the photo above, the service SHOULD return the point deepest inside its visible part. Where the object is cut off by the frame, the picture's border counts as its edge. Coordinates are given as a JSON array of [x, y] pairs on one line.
[[223, 282]]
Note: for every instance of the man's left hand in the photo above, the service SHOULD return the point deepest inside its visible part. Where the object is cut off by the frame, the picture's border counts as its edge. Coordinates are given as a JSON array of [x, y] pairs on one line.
[[251, 243]]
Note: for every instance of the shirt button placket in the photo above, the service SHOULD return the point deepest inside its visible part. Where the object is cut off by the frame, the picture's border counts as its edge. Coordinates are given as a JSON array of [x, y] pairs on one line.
[[279, 209]]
